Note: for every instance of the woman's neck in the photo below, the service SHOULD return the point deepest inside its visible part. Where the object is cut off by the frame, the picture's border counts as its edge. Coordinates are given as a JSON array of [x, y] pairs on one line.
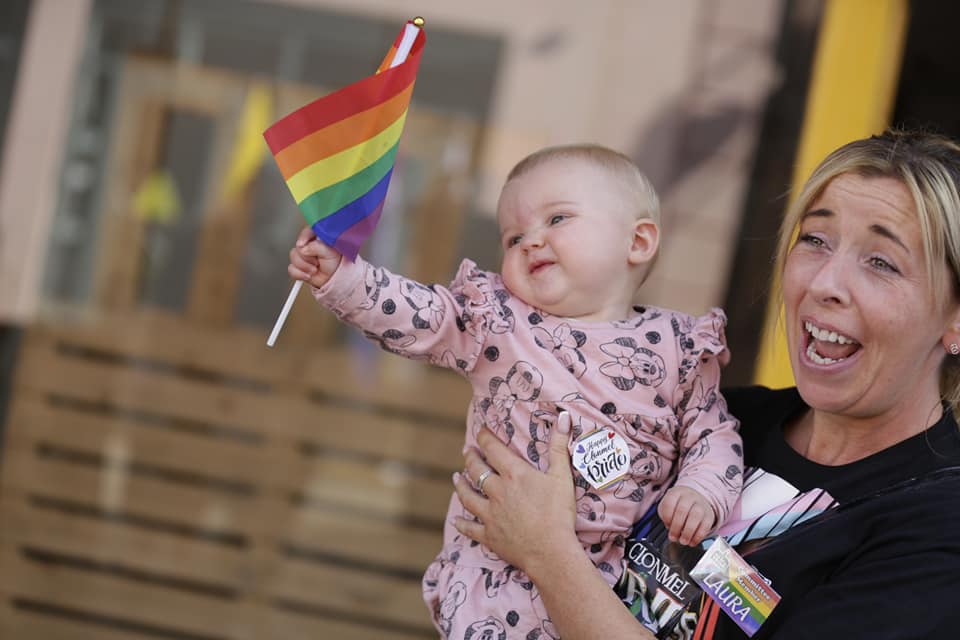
[[833, 439]]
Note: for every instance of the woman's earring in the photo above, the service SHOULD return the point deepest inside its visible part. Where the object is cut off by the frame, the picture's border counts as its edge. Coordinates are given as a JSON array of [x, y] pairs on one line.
[[954, 348]]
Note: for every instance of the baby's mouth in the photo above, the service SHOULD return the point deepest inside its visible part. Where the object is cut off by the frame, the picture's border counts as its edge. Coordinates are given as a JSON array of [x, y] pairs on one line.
[[539, 265], [828, 347]]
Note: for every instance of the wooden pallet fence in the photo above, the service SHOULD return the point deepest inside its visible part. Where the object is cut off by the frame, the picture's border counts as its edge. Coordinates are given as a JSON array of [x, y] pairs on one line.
[[175, 482]]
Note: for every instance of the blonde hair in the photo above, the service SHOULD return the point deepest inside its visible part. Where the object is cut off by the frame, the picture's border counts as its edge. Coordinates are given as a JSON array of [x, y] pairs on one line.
[[617, 164], [929, 166]]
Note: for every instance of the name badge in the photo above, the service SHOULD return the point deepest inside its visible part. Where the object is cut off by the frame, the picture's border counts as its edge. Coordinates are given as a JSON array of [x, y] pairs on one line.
[[735, 586], [601, 457]]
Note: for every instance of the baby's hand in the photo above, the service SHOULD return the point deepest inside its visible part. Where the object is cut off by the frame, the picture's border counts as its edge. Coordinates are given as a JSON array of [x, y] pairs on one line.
[[687, 514], [311, 260]]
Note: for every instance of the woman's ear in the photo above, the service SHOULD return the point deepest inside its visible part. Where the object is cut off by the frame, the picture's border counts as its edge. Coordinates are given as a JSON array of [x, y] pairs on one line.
[[951, 337], [646, 241]]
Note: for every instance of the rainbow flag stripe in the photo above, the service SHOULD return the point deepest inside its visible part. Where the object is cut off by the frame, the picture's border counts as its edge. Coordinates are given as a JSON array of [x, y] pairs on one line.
[[337, 153]]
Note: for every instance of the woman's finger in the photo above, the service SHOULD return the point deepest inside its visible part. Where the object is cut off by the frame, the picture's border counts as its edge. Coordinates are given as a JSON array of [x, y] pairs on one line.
[[559, 454], [475, 466], [473, 462], [480, 475], [498, 457], [470, 528], [471, 500]]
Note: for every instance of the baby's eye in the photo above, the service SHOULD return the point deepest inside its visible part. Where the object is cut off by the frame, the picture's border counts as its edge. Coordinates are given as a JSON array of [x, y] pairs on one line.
[[557, 219], [513, 241]]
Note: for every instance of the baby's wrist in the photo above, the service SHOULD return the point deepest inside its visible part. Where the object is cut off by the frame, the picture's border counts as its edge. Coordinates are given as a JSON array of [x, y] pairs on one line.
[[319, 279]]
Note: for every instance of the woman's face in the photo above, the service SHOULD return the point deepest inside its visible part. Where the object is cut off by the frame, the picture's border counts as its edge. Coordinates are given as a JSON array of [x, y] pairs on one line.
[[863, 329]]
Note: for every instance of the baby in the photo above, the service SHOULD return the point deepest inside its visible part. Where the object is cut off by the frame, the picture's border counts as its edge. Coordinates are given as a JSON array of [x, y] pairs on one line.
[[558, 330]]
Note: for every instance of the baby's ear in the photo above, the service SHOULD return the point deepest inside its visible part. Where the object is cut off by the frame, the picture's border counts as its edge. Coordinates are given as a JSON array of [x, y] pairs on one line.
[[646, 241]]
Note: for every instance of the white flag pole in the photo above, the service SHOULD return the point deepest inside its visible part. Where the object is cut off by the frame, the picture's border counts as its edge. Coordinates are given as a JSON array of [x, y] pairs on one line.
[[410, 31]]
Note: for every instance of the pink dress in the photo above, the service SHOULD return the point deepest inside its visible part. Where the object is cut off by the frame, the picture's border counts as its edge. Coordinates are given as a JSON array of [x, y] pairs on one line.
[[643, 397]]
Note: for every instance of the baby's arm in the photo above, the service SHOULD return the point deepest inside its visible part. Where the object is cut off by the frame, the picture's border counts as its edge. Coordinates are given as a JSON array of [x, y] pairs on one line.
[[445, 326], [711, 454], [311, 260]]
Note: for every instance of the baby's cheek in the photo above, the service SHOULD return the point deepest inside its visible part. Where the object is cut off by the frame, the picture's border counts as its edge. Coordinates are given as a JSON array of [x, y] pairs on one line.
[[508, 272]]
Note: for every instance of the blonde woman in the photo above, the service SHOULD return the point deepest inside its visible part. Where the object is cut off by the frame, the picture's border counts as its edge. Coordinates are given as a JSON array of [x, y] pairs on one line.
[[869, 258]]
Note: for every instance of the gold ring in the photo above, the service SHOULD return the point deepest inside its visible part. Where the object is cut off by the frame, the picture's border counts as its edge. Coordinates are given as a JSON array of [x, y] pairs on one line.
[[483, 478]]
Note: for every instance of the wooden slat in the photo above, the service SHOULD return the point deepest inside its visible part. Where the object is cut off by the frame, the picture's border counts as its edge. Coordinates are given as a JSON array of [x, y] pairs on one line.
[[220, 246], [183, 398], [383, 487], [121, 234], [141, 389], [400, 438], [289, 625], [360, 374], [117, 490], [389, 380], [396, 604], [37, 625], [157, 335], [95, 434], [110, 542], [117, 597], [331, 428], [337, 531], [368, 595], [385, 490], [365, 539], [356, 485]]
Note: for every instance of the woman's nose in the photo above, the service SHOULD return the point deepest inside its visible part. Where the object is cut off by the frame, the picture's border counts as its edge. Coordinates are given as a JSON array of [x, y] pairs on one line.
[[829, 283]]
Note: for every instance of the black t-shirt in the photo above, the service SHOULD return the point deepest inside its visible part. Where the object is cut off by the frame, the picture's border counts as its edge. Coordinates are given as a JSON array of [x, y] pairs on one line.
[[885, 563]]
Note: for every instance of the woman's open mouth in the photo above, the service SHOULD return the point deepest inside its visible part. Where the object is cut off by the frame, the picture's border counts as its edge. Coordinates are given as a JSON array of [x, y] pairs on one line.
[[828, 347]]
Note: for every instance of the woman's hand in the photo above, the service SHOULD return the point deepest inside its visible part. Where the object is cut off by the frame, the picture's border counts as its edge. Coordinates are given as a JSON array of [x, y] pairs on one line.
[[525, 515], [528, 519]]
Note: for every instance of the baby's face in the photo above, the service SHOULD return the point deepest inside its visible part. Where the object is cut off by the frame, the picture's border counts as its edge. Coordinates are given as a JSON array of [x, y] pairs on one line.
[[566, 229]]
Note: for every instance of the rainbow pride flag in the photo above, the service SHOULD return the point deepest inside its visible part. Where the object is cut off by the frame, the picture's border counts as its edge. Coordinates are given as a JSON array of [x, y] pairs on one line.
[[337, 153]]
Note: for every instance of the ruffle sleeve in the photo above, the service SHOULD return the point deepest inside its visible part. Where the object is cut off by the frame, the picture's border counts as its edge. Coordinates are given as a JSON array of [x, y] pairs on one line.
[[709, 336], [483, 299], [701, 339]]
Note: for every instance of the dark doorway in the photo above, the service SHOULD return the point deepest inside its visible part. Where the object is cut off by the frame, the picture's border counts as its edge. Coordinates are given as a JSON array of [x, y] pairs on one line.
[[928, 96]]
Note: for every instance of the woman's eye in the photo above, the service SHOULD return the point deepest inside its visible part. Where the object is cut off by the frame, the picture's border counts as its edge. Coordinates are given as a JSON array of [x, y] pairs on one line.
[[812, 240], [557, 219], [882, 265]]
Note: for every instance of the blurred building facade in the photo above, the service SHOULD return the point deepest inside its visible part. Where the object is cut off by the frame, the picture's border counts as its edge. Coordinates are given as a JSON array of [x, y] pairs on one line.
[[166, 475], [678, 86]]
